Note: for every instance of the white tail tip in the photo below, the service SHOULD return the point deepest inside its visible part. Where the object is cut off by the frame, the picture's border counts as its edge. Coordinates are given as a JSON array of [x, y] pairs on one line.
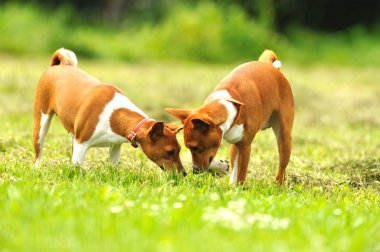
[[69, 56], [277, 64]]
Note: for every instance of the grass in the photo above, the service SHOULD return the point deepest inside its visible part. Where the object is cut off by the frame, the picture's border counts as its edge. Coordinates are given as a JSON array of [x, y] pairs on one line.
[[330, 201]]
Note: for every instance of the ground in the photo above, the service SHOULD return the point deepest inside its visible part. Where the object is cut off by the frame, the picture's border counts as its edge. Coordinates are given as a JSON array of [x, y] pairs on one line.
[[330, 201]]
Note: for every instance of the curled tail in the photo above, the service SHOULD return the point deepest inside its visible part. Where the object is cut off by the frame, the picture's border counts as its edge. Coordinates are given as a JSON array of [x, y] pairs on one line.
[[64, 57], [270, 57]]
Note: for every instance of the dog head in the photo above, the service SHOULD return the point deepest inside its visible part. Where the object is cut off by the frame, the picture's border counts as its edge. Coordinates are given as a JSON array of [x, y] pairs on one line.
[[159, 143], [202, 136]]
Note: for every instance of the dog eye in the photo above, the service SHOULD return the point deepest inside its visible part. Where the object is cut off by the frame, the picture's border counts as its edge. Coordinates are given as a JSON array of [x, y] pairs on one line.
[[170, 153]]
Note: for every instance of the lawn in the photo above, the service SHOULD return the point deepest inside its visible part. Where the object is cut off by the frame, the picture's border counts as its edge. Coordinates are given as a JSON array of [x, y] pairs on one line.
[[330, 201]]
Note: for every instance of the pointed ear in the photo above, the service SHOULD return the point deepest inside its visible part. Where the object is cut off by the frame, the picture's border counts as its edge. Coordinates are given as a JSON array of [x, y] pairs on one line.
[[180, 114], [156, 131], [200, 125], [173, 127]]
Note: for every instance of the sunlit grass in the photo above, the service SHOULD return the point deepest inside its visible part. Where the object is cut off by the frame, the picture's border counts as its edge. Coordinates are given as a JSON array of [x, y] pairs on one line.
[[330, 201]]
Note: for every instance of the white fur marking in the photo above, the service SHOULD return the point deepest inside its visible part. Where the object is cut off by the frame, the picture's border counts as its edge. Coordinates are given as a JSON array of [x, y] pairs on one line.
[[277, 64], [231, 110], [233, 178], [69, 55], [221, 94], [44, 127], [115, 151], [79, 153], [231, 115], [234, 134], [38, 160], [103, 134]]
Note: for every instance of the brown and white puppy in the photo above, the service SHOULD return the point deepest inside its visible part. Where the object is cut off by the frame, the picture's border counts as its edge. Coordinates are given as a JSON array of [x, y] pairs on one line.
[[97, 115], [254, 96]]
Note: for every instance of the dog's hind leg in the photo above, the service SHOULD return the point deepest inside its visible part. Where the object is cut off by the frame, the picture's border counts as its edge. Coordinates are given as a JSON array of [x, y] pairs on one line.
[[41, 127], [282, 124], [43, 113]]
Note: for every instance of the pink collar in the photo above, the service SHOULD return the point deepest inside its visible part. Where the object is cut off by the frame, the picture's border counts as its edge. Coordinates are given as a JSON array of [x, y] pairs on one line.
[[132, 135]]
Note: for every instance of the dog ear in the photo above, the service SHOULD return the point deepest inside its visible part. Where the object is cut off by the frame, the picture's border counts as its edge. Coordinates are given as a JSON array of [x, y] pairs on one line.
[[200, 125], [173, 127], [180, 114], [156, 131]]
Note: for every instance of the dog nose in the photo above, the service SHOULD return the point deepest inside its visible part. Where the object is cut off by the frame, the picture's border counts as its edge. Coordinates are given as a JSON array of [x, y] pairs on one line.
[[184, 173]]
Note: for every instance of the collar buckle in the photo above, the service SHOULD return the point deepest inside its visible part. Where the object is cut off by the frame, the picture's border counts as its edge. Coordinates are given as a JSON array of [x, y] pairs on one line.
[[132, 136]]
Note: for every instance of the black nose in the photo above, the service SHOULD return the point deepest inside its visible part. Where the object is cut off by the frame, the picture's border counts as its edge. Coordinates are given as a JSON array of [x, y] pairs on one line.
[[162, 168], [184, 173]]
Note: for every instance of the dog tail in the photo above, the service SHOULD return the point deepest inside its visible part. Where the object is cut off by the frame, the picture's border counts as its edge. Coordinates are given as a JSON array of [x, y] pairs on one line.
[[270, 57], [64, 57]]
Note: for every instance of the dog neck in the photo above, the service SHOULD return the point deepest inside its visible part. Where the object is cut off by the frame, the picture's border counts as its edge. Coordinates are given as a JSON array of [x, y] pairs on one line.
[[124, 121], [232, 115], [222, 112], [221, 104]]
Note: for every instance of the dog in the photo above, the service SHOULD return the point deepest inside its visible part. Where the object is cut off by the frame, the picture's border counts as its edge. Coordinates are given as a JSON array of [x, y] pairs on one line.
[[98, 115], [254, 96]]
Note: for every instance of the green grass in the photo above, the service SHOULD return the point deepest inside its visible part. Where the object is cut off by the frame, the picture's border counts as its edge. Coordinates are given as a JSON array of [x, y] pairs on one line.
[[330, 201]]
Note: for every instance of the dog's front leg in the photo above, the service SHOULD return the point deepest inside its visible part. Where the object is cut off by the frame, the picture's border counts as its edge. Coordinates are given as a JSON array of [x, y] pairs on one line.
[[239, 157], [243, 160], [115, 151], [79, 153], [234, 155]]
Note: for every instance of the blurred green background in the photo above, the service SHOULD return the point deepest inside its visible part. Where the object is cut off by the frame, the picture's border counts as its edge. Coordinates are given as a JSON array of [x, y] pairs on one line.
[[214, 31]]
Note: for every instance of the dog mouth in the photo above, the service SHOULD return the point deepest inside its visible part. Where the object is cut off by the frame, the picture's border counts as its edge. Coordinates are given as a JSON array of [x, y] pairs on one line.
[[184, 173], [197, 170]]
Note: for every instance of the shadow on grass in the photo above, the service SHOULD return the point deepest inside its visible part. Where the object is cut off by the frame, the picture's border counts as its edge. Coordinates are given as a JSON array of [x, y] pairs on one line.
[[361, 172], [355, 173]]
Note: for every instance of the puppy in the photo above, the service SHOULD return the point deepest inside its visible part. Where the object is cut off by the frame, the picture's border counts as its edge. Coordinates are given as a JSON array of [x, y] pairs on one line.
[[97, 115], [254, 96]]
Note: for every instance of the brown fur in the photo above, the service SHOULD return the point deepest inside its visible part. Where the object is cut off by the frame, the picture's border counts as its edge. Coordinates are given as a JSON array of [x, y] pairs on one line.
[[268, 102], [78, 99]]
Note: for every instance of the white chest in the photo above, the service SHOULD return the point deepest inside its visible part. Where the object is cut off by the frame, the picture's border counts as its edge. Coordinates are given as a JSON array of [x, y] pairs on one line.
[[235, 134]]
